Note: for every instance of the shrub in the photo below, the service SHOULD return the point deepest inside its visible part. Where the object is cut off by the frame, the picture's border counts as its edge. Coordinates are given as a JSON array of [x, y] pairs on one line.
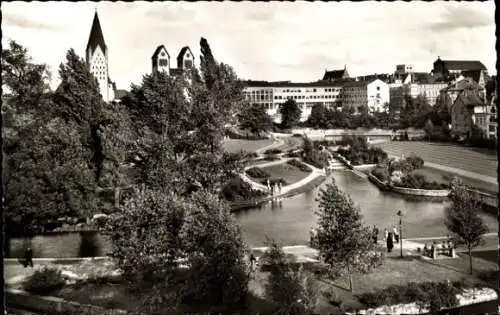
[[44, 281], [291, 153], [301, 166], [297, 135], [273, 151], [381, 173], [415, 162], [419, 181], [436, 295], [233, 135], [238, 189], [271, 157], [256, 172]]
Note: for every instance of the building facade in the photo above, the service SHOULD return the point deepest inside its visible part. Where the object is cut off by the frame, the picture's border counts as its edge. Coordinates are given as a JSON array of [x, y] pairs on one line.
[[96, 56], [161, 61], [361, 95], [470, 111], [456, 67], [272, 94]]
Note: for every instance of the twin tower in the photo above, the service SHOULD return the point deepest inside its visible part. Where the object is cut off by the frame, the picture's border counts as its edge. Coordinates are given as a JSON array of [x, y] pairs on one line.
[[96, 56]]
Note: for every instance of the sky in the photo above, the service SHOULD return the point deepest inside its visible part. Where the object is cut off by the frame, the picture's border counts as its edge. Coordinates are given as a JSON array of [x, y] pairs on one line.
[[270, 41]]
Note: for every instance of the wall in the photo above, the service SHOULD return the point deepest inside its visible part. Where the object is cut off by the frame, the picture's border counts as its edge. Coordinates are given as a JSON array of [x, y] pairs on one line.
[[421, 192]]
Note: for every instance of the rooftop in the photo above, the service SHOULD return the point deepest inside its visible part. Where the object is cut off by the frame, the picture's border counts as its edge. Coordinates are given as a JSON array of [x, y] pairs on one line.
[[462, 64], [96, 37]]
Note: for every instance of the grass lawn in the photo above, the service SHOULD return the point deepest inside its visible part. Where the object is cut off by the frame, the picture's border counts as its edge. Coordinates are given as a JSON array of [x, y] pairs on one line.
[[289, 173], [438, 176], [235, 145], [291, 143]]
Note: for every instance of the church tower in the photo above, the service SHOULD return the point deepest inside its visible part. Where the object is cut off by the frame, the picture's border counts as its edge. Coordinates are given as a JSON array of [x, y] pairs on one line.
[[97, 59]]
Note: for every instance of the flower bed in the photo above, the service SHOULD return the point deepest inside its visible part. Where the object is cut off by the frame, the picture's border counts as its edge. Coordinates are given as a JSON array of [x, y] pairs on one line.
[[301, 166]]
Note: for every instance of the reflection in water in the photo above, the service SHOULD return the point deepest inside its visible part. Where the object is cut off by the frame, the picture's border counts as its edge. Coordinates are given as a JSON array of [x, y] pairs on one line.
[[292, 223], [288, 221]]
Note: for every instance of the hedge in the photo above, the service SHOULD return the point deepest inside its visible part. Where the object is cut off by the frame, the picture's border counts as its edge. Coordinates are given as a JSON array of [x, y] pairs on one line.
[[238, 189], [273, 151], [437, 295], [301, 166], [256, 172], [419, 181], [44, 281]]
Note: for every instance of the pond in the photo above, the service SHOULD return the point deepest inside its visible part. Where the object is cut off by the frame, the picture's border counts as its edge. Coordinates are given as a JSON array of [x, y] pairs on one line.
[[288, 222]]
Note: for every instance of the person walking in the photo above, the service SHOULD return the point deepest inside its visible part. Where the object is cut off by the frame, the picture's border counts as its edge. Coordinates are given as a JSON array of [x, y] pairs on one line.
[[252, 261], [28, 255], [375, 234], [390, 243], [280, 186], [396, 234], [386, 234]]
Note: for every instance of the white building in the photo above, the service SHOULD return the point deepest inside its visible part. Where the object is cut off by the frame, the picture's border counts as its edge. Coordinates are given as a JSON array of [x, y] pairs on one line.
[[358, 95], [97, 59], [161, 61], [272, 94]]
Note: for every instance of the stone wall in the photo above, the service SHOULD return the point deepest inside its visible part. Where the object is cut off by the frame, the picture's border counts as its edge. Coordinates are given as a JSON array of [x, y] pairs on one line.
[[421, 192]]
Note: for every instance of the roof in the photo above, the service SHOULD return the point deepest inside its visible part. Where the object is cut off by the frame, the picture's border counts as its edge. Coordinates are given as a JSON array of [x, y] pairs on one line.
[[463, 84], [359, 83], [96, 38], [334, 74], [157, 52], [120, 93], [473, 74], [423, 78], [251, 83], [372, 77], [183, 51], [462, 64]]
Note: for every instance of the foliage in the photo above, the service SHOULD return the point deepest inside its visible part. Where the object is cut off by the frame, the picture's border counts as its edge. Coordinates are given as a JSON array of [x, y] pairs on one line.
[[415, 161], [314, 156], [381, 172], [342, 240], [290, 113], [273, 151], [44, 281], [255, 118], [431, 295], [463, 220], [359, 153], [154, 233], [292, 291], [319, 117], [293, 153], [419, 181], [237, 189], [271, 157], [301, 166], [234, 135], [257, 172], [415, 111]]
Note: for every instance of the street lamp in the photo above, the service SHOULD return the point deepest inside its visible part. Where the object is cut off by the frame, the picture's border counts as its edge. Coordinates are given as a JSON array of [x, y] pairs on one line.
[[400, 215]]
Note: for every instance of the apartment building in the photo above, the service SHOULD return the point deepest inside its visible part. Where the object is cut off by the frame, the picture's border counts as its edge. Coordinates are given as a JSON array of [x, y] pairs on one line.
[[371, 95], [272, 94]]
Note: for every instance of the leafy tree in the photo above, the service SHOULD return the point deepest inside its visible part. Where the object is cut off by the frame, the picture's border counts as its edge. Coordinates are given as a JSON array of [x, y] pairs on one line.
[[343, 242], [290, 113], [156, 233], [319, 117], [292, 291], [429, 128], [255, 118], [463, 220]]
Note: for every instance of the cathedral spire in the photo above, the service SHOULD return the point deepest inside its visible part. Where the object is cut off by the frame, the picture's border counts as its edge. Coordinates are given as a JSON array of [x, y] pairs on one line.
[[96, 38]]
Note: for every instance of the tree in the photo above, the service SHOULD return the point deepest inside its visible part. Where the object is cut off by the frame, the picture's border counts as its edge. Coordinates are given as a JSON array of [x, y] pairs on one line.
[[255, 118], [156, 233], [319, 117], [292, 291], [343, 242], [290, 113], [463, 220], [429, 128]]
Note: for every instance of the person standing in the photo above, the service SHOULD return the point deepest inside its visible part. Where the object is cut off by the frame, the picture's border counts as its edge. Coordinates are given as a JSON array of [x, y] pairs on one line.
[[375, 234], [280, 186], [29, 258], [386, 235], [396, 234], [390, 243]]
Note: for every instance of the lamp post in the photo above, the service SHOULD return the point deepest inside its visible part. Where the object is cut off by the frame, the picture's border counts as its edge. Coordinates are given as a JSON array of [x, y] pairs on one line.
[[400, 215]]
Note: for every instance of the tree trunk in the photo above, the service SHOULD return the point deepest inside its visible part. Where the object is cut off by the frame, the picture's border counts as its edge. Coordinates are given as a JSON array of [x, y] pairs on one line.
[[470, 260], [350, 279]]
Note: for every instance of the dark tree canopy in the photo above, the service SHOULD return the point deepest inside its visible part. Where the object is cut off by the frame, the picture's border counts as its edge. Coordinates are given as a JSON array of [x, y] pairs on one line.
[[290, 113], [255, 119]]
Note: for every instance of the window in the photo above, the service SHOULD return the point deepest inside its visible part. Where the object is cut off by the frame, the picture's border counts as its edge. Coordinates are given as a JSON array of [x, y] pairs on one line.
[[163, 54], [378, 88], [163, 62], [188, 63]]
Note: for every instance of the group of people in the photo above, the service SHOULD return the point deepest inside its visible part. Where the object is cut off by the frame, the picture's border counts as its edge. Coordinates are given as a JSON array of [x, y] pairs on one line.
[[389, 237], [445, 245], [276, 187]]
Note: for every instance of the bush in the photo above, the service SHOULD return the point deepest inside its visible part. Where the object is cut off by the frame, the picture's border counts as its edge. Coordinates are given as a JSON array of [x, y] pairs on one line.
[[256, 172], [301, 166], [238, 189], [436, 295], [419, 181], [291, 153], [44, 281], [273, 151], [324, 143], [233, 135], [415, 162], [381, 173]]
